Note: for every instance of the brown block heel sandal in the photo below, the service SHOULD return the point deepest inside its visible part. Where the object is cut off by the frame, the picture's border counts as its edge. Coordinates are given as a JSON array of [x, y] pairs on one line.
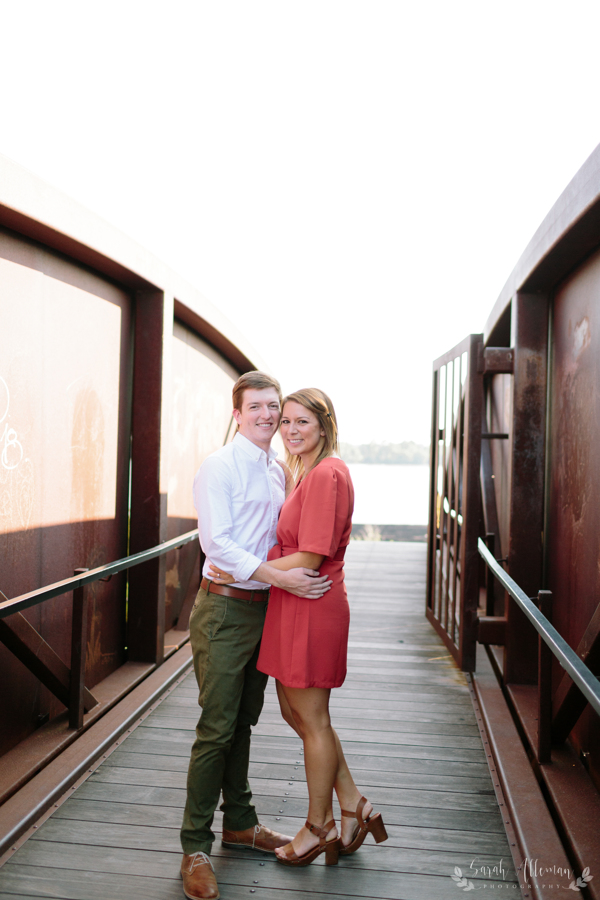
[[331, 848], [373, 823]]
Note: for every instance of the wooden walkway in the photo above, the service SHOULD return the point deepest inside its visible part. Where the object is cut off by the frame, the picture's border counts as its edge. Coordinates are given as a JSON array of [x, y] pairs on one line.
[[407, 724]]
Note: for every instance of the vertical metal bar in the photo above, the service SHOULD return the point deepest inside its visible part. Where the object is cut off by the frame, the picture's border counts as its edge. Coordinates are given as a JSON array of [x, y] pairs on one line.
[[449, 489], [490, 540], [469, 557], [432, 530], [458, 425], [440, 559], [149, 473], [544, 742], [78, 643]]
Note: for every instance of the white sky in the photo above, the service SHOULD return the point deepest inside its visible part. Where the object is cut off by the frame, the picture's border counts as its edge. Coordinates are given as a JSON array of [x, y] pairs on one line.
[[350, 182]]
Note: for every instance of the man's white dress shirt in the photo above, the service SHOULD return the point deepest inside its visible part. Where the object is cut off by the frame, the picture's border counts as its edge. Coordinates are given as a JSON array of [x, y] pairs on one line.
[[238, 493]]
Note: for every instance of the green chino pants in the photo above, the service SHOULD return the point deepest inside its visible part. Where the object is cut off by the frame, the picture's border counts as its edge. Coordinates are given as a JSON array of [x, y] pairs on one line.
[[225, 636]]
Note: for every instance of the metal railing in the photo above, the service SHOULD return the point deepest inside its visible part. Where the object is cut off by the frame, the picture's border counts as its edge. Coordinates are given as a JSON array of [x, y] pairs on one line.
[[24, 601], [74, 693], [550, 642]]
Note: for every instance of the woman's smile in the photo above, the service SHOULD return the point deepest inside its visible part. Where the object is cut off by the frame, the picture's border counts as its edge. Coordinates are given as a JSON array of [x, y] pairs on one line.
[[301, 432]]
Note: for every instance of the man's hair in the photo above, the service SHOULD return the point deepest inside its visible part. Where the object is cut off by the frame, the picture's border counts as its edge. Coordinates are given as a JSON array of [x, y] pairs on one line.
[[253, 380]]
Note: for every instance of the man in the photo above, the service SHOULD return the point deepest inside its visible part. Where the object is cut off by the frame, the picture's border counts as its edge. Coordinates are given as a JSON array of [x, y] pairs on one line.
[[238, 493]]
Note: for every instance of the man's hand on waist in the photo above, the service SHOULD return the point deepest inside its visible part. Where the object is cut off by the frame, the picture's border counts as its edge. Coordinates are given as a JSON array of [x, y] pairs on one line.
[[300, 581], [304, 583]]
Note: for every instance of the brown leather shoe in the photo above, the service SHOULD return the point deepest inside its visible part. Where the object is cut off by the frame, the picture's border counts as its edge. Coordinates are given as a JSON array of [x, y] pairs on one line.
[[199, 882], [258, 838]]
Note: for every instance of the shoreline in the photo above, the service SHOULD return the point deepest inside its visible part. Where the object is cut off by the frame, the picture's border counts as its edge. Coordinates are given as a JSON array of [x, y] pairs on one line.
[[367, 532]]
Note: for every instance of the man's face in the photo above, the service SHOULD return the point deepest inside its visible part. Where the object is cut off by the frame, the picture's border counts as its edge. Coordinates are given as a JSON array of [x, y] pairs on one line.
[[259, 416]]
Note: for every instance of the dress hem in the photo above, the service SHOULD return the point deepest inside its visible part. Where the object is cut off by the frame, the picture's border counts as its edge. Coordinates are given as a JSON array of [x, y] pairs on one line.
[[335, 684]]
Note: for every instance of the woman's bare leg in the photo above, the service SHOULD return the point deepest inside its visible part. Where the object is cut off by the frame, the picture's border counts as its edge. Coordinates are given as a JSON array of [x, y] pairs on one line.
[[309, 712], [347, 793], [285, 708]]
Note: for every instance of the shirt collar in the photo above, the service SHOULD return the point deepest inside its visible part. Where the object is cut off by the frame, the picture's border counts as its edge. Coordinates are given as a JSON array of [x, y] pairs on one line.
[[252, 450]]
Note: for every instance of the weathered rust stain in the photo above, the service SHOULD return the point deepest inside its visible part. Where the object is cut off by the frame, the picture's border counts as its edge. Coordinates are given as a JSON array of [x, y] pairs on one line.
[[87, 455]]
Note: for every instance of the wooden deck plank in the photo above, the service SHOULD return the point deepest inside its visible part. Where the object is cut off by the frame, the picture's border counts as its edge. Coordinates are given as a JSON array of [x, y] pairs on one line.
[[100, 886], [462, 719], [160, 839], [170, 817], [358, 700], [378, 725], [274, 769], [179, 744], [429, 816], [231, 870], [406, 721], [388, 731], [273, 787]]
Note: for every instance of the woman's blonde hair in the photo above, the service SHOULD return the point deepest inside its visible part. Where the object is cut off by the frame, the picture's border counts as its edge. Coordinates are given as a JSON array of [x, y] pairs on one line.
[[316, 402]]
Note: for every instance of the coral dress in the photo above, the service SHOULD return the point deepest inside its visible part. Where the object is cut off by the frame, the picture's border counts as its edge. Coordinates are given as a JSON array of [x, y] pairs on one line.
[[305, 642]]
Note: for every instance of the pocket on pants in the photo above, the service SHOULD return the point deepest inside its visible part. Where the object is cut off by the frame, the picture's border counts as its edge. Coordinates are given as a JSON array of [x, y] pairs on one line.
[[218, 616]]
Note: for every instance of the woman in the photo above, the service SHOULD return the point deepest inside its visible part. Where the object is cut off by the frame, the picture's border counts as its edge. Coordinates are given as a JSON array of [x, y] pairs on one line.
[[305, 642]]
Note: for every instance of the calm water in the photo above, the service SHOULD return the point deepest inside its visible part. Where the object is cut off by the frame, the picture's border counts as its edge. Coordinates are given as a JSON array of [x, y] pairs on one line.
[[390, 495]]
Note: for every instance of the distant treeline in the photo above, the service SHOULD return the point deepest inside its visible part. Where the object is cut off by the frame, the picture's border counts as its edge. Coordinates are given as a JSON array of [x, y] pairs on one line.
[[405, 454]]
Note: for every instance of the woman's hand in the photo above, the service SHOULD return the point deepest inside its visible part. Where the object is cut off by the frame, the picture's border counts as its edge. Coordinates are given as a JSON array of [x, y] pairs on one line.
[[219, 576]]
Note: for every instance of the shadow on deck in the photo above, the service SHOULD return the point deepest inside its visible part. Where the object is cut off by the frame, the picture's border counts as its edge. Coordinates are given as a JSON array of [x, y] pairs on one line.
[[408, 728]]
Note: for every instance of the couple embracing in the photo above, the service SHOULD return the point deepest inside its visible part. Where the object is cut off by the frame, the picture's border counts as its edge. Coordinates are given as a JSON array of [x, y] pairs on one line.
[[263, 546]]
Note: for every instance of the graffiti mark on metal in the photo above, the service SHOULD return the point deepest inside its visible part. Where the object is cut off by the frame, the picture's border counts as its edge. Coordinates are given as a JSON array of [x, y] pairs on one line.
[[12, 450]]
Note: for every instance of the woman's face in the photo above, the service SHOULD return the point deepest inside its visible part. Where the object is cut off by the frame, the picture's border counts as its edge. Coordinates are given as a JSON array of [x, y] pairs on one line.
[[300, 430]]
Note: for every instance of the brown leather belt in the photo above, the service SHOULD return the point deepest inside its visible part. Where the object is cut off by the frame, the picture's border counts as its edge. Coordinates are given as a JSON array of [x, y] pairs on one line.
[[237, 593]]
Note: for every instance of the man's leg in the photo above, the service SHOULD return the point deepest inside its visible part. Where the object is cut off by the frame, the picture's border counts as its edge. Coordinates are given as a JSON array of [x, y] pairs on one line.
[[224, 633], [241, 828], [237, 807]]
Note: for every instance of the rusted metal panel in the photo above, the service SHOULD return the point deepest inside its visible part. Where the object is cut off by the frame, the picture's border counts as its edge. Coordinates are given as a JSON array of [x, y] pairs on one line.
[[200, 418], [530, 340], [574, 487], [569, 702], [539, 845], [21, 638], [64, 451], [577, 806]]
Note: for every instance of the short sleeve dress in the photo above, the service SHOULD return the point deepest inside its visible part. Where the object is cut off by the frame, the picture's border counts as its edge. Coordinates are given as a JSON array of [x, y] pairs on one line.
[[305, 642]]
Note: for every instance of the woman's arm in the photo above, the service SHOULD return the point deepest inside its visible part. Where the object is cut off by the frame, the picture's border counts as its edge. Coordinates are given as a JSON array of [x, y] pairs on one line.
[[294, 560], [301, 559]]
